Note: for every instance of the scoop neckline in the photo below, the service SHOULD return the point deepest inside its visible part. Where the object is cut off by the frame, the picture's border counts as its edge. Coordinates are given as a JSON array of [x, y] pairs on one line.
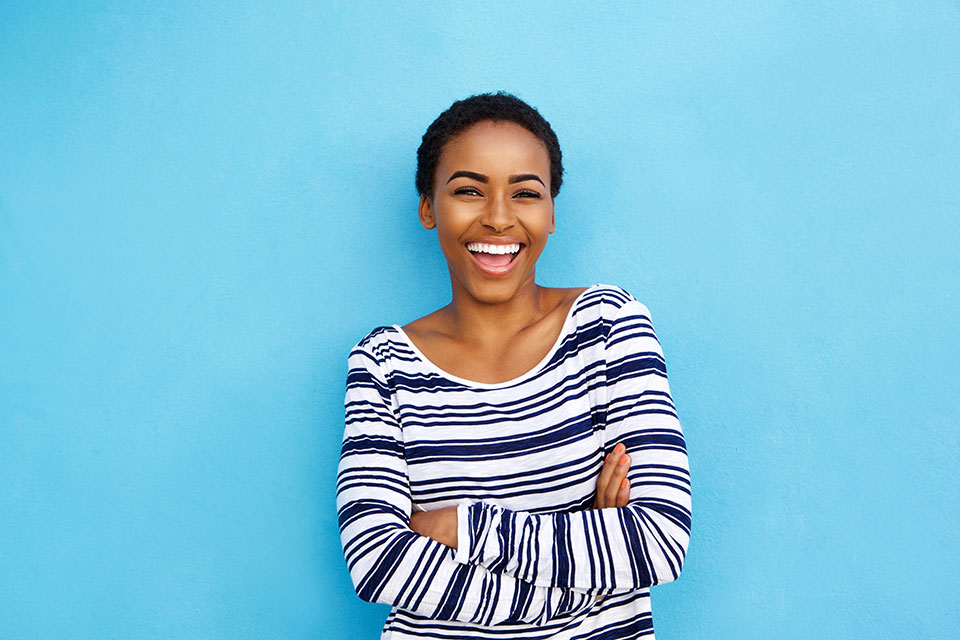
[[564, 330]]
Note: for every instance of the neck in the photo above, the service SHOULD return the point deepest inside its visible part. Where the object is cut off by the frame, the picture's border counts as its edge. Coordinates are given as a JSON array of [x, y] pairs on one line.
[[476, 320]]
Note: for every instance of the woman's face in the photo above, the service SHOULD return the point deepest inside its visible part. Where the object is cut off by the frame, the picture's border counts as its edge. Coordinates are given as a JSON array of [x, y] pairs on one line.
[[492, 208]]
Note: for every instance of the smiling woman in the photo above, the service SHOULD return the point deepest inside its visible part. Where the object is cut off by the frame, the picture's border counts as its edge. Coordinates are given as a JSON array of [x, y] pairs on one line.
[[512, 463], [491, 198]]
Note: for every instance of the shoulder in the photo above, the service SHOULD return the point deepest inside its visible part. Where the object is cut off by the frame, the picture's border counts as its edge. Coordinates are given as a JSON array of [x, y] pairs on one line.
[[429, 327], [376, 349], [610, 301]]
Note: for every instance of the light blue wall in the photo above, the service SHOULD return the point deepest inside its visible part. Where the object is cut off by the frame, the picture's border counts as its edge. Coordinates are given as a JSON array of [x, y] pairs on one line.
[[202, 208]]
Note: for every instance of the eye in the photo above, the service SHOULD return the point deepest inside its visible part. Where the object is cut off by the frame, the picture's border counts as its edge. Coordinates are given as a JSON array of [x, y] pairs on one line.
[[528, 194], [466, 191]]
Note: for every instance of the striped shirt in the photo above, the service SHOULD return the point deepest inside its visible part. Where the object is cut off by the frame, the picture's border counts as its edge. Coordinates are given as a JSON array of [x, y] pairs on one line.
[[520, 459]]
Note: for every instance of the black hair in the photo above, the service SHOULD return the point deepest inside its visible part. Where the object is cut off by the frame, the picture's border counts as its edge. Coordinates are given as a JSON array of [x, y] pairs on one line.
[[497, 107]]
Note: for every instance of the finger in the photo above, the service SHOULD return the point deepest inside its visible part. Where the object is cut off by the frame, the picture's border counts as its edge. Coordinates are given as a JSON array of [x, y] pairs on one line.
[[623, 496], [613, 487], [619, 464], [606, 472]]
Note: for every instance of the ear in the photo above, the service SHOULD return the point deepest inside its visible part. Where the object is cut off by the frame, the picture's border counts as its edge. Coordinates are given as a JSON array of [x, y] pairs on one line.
[[553, 224], [426, 213]]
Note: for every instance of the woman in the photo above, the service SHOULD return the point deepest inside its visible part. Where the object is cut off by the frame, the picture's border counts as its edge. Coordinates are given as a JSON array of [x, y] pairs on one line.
[[512, 463]]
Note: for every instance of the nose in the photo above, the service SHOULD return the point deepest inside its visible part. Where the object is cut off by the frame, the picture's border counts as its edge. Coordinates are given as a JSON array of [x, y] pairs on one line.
[[497, 215]]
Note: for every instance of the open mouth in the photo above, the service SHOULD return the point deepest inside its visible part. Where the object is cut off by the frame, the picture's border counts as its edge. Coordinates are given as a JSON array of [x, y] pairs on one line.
[[495, 259]]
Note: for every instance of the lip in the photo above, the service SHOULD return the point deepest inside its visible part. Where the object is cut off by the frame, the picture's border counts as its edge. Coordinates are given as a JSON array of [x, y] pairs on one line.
[[496, 272]]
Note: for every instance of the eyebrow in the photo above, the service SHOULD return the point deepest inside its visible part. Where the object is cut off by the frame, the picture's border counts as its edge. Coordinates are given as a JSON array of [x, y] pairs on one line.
[[479, 177]]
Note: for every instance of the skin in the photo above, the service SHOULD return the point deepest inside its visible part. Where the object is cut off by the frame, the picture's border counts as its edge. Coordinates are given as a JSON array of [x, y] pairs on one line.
[[496, 328]]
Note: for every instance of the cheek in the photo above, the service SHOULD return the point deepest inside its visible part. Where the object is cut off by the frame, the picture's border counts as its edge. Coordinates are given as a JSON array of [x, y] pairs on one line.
[[540, 228], [449, 242], [451, 224]]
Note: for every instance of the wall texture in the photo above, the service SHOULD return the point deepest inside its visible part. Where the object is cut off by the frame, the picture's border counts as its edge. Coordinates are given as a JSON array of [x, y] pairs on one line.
[[203, 206]]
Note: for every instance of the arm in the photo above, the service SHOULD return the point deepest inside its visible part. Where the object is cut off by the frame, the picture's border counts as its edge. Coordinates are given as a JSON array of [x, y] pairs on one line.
[[636, 546], [613, 490], [393, 565]]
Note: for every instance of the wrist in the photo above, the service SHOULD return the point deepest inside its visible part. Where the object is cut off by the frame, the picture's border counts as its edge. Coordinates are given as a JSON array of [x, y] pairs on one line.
[[450, 526]]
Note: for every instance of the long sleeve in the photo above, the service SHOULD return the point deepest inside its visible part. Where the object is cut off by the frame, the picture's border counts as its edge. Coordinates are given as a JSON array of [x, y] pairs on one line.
[[614, 549], [391, 564]]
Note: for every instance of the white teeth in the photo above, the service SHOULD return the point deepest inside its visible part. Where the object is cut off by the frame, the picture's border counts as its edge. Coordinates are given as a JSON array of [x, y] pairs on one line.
[[483, 247]]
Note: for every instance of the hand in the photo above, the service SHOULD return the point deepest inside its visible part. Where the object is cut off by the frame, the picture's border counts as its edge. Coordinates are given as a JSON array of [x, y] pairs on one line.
[[439, 525], [613, 487]]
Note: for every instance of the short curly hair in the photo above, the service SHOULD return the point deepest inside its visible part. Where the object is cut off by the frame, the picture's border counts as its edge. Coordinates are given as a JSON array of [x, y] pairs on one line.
[[496, 107]]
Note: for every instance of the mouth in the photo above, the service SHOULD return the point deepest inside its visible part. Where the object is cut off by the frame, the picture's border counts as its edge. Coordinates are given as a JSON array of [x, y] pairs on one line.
[[495, 260]]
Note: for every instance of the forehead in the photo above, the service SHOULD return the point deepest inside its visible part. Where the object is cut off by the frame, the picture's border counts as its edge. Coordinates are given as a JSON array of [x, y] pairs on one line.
[[492, 145]]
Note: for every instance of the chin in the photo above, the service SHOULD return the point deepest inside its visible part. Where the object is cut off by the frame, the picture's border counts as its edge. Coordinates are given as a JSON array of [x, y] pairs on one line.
[[495, 292]]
